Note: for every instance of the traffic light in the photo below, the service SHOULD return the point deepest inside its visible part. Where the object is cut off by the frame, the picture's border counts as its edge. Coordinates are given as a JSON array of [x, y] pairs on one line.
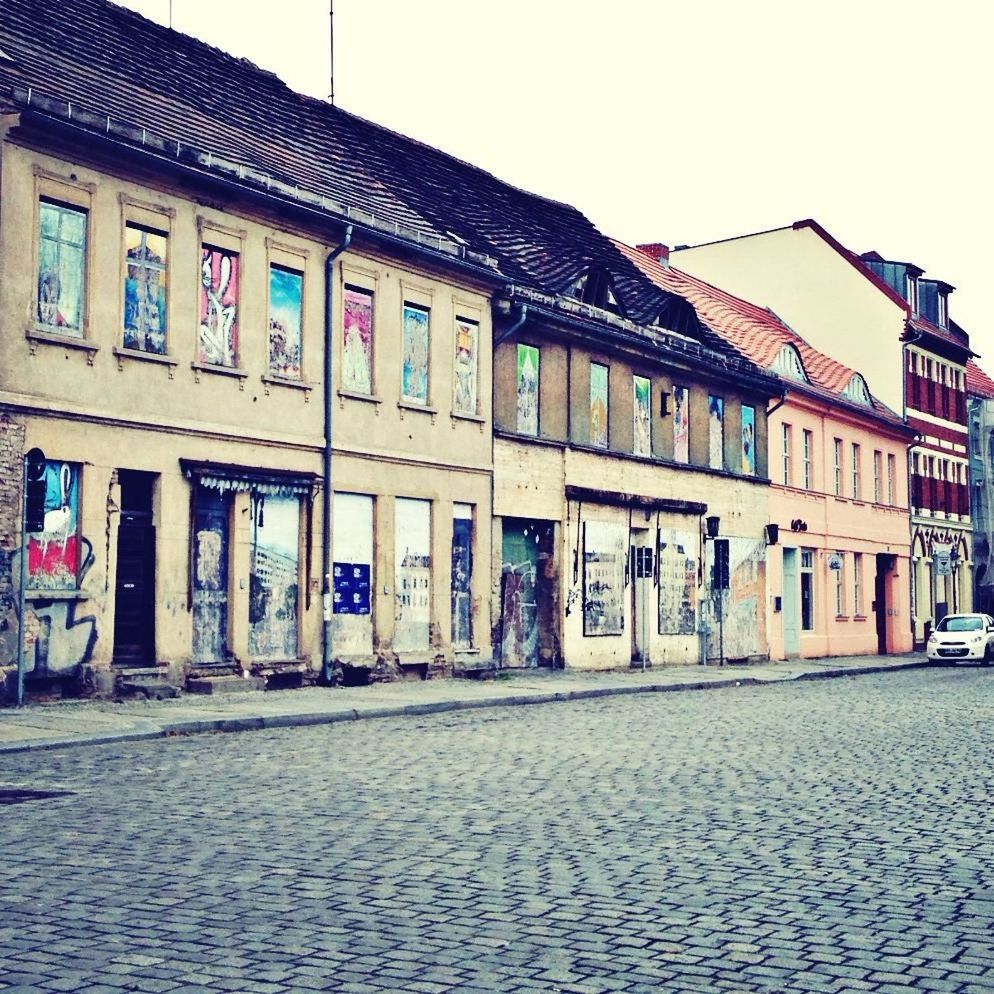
[[720, 564], [36, 488]]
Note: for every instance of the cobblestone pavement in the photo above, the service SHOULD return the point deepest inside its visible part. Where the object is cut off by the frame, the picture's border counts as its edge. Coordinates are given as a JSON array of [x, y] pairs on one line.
[[820, 836]]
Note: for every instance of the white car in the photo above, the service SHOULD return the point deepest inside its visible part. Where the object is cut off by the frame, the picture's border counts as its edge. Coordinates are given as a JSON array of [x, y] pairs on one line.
[[962, 636]]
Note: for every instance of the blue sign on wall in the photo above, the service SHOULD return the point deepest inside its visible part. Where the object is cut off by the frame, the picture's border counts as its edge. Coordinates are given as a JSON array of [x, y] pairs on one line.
[[351, 588]]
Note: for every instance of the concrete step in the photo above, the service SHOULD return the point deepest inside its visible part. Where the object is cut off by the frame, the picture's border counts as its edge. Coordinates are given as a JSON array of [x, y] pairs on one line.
[[228, 684]]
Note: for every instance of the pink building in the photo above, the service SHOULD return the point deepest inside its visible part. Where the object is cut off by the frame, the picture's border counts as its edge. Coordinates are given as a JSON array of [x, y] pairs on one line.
[[838, 570]]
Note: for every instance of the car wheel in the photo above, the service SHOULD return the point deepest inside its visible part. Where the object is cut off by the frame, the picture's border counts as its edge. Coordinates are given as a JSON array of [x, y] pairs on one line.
[[986, 661]]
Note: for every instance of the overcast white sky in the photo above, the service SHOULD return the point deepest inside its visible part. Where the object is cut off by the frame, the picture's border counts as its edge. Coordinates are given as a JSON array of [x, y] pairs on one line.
[[680, 122]]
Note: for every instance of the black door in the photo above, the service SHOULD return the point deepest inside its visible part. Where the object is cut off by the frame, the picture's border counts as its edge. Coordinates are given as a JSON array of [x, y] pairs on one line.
[[885, 564], [134, 612]]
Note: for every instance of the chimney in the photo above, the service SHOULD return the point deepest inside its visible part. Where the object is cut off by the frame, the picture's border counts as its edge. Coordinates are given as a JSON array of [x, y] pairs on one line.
[[657, 251]]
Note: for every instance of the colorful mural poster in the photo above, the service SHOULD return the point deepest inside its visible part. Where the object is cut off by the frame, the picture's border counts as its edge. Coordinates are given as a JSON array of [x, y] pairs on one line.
[[677, 582], [743, 604], [274, 581], [286, 310], [218, 307], [414, 373], [412, 574], [598, 404], [467, 343], [357, 346], [603, 578], [53, 553], [145, 290], [642, 427], [716, 432], [61, 268], [681, 424], [528, 371], [748, 440]]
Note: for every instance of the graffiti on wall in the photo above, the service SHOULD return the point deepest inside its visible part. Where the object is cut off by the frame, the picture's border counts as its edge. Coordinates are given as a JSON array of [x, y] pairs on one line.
[[218, 307], [54, 552]]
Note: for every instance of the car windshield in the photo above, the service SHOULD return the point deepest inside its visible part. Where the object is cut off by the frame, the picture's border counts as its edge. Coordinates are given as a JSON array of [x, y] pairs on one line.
[[954, 624]]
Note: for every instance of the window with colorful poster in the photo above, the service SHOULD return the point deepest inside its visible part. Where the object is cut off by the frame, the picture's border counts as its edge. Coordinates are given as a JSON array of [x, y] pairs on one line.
[[53, 553], [748, 440], [145, 288], [598, 404], [527, 383], [61, 268], [681, 424], [286, 311], [716, 432], [414, 373], [357, 340], [467, 365], [641, 407], [218, 306], [274, 582], [603, 578]]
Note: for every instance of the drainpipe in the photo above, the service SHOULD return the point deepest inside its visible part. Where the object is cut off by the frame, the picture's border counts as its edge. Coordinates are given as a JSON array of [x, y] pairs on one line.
[[329, 408], [507, 333]]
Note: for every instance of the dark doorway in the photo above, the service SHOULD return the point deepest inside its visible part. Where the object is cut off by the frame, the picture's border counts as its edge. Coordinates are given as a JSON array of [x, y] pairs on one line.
[[885, 563], [134, 611]]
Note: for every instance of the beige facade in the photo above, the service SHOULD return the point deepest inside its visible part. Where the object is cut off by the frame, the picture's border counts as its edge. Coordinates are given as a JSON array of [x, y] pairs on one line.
[[165, 350], [577, 508]]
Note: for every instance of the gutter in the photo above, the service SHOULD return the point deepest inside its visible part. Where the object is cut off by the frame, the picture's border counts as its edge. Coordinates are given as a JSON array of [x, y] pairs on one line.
[[327, 641]]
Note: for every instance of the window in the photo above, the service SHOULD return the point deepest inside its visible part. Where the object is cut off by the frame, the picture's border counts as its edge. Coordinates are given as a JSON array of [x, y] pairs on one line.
[[527, 384], [286, 318], [807, 590], [857, 582], [462, 576], [274, 581], [808, 443], [467, 366], [748, 440], [877, 475], [943, 314], [837, 466], [412, 574], [716, 432], [357, 340], [857, 483], [641, 413], [788, 363], [786, 453], [681, 424], [414, 362], [891, 472], [219, 309], [598, 404], [840, 586], [62, 268], [857, 390], [352, 541], [53, 553], [145, 289]]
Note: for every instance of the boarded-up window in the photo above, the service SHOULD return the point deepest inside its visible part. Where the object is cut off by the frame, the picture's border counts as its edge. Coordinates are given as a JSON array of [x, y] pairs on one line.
[[274, 582], [412, 579], [352, 525], [286, 309], [462, 576], [219, 286]]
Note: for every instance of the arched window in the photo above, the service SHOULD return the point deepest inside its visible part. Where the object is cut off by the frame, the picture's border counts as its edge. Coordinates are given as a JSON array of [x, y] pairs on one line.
[[857, 390]]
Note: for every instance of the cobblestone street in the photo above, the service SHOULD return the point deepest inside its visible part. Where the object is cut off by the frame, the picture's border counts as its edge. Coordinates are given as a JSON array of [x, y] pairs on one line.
[[830, 835]]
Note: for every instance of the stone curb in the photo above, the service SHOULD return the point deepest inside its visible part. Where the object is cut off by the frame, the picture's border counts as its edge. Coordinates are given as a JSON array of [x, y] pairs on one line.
[[248, 723]]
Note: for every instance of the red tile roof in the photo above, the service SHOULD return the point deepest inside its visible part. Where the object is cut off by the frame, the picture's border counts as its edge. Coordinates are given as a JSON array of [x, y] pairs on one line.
[[978, 383], [758, 333]]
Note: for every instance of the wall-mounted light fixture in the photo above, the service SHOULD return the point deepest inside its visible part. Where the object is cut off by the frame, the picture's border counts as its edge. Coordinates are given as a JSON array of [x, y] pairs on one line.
[[772, 533], [713, 525]]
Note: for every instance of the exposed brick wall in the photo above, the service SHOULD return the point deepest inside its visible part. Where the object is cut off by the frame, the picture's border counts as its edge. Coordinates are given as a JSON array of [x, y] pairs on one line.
[[11, 471]]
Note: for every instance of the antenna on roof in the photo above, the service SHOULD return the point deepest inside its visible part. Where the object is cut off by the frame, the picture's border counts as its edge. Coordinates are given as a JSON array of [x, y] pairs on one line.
[[170, 15], [331, 40]]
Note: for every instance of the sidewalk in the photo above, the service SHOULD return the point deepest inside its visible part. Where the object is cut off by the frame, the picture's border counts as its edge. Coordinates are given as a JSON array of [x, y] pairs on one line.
[[72, 723]]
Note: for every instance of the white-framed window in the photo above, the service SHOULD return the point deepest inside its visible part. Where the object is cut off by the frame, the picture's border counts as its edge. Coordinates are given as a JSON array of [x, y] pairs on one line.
[[857, 483], [807, 590], [891, 473], [837, 466], [857, 583], [840, 587], [786, 454], [877, 475], [808, 443]]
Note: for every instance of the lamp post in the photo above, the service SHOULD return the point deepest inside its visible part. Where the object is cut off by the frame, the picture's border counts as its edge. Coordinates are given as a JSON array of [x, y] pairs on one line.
[[719, 580]]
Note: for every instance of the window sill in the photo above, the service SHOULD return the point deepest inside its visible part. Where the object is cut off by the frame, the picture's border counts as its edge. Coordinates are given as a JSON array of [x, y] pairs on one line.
[[859, 617], [406, 405], [36, 336], [462, 416], [206, 367], [56, 595], [163, 360], [369, 398], [270, 380]]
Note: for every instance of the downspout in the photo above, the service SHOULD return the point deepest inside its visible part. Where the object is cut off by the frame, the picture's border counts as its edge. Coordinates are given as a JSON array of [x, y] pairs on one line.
[[329, 408], [517, 326]]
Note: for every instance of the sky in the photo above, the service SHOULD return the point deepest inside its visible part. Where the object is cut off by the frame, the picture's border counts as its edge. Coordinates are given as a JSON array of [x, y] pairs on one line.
[[677, 122]]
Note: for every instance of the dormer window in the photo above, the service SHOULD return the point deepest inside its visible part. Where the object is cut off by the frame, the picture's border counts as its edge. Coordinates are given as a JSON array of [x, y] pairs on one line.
[[857, 390], [911, 291], [943, 311], [594, 287], [788, 363]]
